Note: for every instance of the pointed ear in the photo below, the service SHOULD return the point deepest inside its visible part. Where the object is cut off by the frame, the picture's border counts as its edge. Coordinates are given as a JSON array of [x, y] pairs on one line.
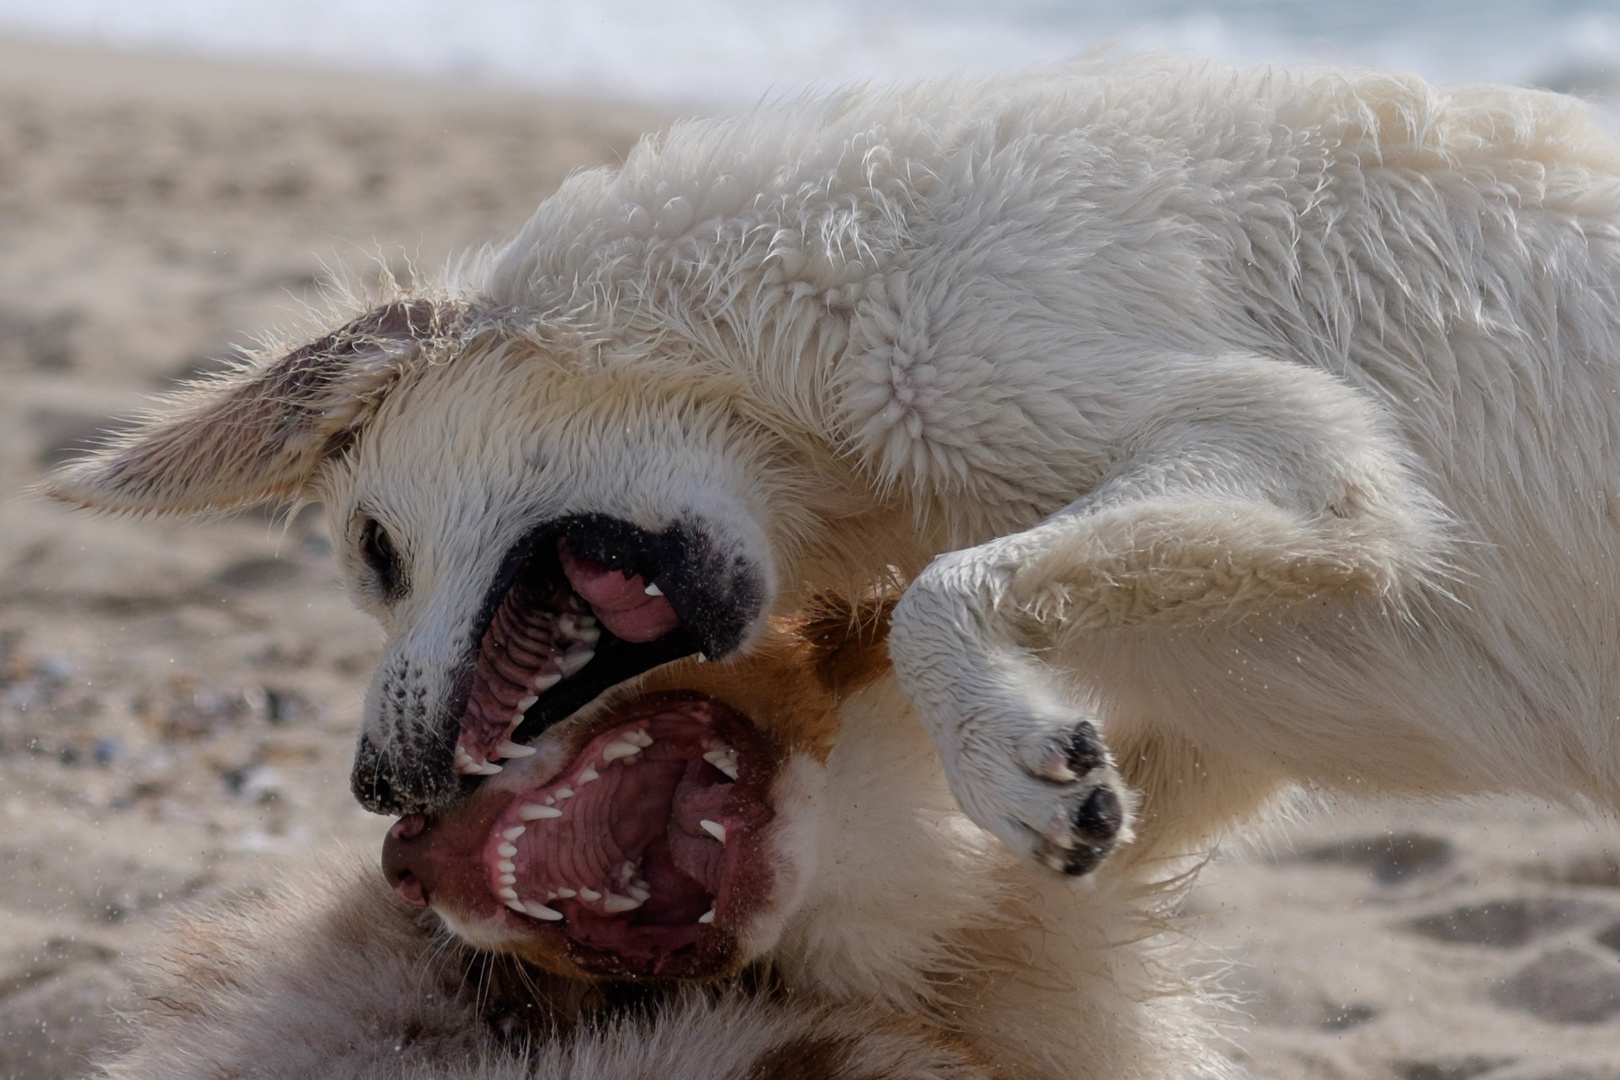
[[258, 433]]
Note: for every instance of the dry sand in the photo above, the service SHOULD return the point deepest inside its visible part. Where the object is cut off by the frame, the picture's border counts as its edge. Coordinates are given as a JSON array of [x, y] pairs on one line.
[[178, 701]]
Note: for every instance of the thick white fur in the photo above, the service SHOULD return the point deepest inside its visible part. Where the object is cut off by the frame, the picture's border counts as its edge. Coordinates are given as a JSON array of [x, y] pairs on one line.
[[911, 940], [1269, 418]]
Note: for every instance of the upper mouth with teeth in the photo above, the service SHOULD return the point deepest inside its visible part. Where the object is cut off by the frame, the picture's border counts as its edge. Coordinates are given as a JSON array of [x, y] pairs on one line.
[[566, 627], [640, 854]]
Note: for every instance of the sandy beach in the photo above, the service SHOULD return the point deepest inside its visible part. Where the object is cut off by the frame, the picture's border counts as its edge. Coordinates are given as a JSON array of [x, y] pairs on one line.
[[179, 700]]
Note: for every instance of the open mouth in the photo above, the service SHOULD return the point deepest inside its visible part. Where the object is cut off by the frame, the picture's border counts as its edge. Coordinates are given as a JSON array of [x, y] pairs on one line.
[[641, 855], [581, 606]]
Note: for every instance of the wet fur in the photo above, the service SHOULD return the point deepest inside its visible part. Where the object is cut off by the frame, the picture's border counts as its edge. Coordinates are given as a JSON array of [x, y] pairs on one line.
[[1265, 425]]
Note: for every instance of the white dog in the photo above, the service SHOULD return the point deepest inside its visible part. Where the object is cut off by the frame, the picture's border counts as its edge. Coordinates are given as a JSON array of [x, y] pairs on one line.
[[749, 870], [1268, 422]]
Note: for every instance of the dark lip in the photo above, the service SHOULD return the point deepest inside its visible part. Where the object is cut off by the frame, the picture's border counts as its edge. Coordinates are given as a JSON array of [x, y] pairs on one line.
[[620, 546]]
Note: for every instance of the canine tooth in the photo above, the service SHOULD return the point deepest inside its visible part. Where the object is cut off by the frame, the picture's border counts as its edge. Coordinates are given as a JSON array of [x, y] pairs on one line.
[[617, 749], [508, 893], [510, 749], [524, 703], [508, 879], [536, 812], [615, 904], [566, 894], [506, 866], [652, 589], [639, 894], [488, 768], [714, 829], [589, 894], [514, 832], [564, 793], [545, 682], [588, 775], [575, 659], [540, 911], [707, 916], [724, 759], [506, 850], [639, 738]]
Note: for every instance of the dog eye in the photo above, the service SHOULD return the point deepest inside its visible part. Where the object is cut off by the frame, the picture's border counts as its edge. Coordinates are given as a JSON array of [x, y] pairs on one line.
[[377, 549]]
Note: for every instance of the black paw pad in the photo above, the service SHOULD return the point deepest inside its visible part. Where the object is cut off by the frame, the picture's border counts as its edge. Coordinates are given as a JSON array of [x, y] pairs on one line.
[[1084, 859], [1100, 816], [1085, 751]]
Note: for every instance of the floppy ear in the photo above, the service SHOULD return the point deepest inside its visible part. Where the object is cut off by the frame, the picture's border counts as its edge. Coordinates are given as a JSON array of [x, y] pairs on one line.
[[258, 433]]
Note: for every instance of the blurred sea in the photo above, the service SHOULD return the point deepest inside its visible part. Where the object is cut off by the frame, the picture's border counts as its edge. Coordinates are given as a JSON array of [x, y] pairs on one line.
[[723, 52]]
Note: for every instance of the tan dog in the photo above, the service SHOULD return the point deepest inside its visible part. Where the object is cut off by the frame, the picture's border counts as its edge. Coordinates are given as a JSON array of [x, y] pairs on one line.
[[777, 833], [1269, 421]]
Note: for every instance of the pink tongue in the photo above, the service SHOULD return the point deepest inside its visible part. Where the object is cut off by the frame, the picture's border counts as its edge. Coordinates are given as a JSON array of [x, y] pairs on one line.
[[620, 603]]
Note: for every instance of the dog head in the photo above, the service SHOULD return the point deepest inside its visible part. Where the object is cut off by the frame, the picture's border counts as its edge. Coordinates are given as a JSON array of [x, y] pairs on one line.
[[669, 829], [532, 516]]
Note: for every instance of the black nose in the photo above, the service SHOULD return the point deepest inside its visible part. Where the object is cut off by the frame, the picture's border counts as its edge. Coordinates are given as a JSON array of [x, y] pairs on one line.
[[422, 780]]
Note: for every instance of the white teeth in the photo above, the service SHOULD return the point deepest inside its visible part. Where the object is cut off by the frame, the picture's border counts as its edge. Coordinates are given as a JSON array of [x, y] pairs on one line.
[[639, 893], [540, 911], [506, 866], [588, 775], [524, 703], [488, 768], [638, 738], [508, 879], [514, 832], [566, 894], [545, 682], [575, 659], [707, 916], [653, 590], [590, 895], [510, 749], [586, 621], [724, 759], [465, 765], [508, 893], [615, 904], [564, 793], [714, 829], [588, 635], [566, 625], [551, 800], [617, 749], [516, 905], [627, 871], [702, 658], [536, 812], [506, 851]]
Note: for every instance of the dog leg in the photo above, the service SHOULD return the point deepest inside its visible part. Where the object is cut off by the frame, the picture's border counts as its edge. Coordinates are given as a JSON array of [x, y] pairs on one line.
[[1292, 491]]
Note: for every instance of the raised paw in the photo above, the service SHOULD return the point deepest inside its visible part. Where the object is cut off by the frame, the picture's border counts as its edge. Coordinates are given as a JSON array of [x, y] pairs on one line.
[[1090, 805], [1057, 799]]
